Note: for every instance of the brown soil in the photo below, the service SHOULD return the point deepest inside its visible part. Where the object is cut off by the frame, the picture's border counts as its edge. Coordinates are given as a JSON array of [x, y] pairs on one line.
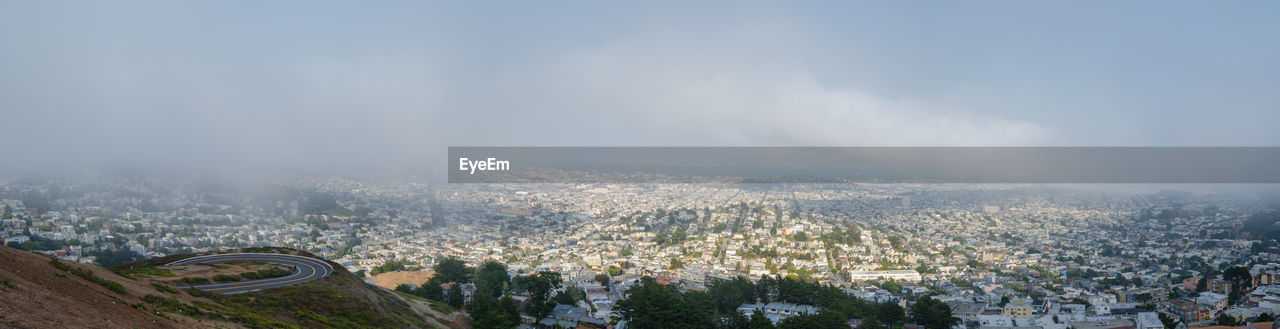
[[38, 295]]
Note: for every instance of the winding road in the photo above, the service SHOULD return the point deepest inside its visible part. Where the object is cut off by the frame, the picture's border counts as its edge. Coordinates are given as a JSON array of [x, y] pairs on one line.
[[304, 269]]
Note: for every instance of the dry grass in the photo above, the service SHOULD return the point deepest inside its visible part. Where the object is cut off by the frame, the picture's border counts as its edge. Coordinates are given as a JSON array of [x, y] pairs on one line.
[[392, 279]]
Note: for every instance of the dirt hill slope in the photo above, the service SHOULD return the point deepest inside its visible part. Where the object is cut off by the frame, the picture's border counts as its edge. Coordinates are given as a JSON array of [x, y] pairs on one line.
[[40, 292]]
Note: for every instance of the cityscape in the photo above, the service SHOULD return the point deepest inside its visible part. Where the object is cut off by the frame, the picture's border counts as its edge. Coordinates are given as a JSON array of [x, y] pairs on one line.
[[1065, 256]]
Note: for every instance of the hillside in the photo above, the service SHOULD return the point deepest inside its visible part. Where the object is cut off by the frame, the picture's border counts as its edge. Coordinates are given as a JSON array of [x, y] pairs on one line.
[[41, 292]]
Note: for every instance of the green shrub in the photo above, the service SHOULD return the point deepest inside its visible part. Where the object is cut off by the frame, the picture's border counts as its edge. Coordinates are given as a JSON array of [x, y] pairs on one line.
[[59, 264], [113, 286], [165, 288], [191, 281], [171, 305], [225, 278], [88, 275], [198, 293], [148, 271], [267, 273]]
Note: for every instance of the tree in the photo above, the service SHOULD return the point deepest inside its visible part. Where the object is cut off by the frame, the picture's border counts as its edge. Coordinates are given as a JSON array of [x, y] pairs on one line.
[[1227, 320], [431, 291], [734, 320], [510, 311], [570, 296], [1240, 279], [388, 266], [727, 295], [454, 296], [891, 314], [490, 278], [766, 288], [651, 305], [822, 320], [603, 279], [932, 314], [699, 301], [539, 286], [447, 270], [1265, 317], [451, 269], [491, 313], [871, 322], [1168, 321], [760, 321], [892, 286], [1237, 275]]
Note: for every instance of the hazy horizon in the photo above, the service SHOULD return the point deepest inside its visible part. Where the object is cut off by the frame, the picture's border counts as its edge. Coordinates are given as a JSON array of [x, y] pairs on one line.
[[238, 86]]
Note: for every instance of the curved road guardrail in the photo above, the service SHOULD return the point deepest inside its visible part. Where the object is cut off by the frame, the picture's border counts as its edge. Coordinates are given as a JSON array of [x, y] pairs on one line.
[[304, 269]]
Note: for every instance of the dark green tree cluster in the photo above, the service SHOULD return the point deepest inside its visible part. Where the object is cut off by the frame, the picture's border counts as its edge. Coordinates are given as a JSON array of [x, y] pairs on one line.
[[837, 235], [570, 296], [1240, 280], [389, 266], [454, 296], [1227, 320], [892, 286], [486, 308], [447, 270], [539, 286], [652, 305], [489, 312], [490, 306], [825, 319], [491, 278], [932, 313]]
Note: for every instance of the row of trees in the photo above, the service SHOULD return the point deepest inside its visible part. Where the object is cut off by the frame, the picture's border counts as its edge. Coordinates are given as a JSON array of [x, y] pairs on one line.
[[652, 305], [390, 266], [491, 306]]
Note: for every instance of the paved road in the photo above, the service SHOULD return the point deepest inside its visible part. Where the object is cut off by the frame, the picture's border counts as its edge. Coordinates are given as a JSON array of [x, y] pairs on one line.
[[304, 269]]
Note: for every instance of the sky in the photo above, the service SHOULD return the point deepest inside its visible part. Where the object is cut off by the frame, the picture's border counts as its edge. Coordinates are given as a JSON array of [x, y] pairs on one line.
[[385, 87]]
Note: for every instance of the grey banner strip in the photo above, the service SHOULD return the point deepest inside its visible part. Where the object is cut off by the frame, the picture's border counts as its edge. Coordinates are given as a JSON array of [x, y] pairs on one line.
[[864, 164]]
